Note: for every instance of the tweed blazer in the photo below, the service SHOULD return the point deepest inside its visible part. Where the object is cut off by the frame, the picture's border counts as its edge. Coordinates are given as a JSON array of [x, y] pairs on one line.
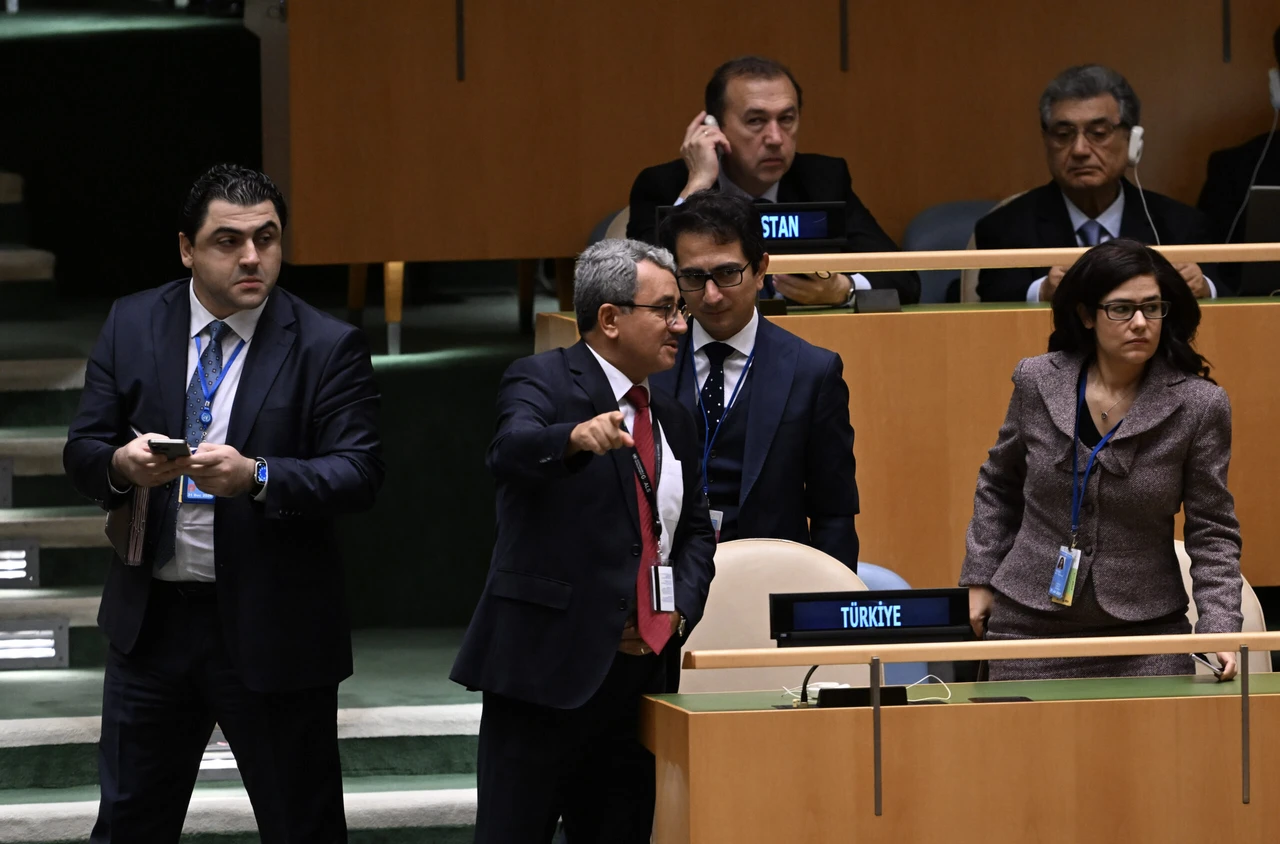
[[1171, 450]]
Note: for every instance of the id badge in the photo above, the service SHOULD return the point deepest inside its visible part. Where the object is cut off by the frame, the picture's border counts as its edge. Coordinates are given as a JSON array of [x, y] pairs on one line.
[[189, 493], [1062, 588], [717, 519], [662, 584]]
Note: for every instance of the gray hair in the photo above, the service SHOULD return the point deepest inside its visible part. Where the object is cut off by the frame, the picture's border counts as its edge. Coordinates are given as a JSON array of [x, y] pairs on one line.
[[1086, 81], [606, 274]]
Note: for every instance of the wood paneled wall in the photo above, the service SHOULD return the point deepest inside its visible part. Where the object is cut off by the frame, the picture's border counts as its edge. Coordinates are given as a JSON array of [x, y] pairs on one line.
[[390, 157]]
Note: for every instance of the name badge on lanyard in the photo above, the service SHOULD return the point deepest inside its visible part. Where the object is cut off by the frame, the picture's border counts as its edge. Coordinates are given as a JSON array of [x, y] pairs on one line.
[[709, 435], [1062, 586], [188, 492], [662, 584]]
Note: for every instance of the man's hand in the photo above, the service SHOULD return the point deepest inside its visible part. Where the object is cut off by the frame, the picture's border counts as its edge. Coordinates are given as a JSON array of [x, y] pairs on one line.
[[633, 645], [599, 435], [1228, 661], [219, 470], [1194, 278], [980, 600], [814, 290], [700, 151], [1050, 284], [135, 464]]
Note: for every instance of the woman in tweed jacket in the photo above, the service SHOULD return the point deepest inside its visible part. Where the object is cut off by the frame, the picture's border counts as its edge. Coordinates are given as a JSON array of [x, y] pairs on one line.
[[1124, 321]]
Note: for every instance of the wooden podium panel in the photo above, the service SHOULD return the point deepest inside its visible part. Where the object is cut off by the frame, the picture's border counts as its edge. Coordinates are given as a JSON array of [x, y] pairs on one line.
[[1069, 767], [929, 387]]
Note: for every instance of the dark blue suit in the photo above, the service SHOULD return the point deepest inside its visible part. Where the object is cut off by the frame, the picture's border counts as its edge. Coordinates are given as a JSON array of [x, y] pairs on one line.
[[797, 463], [276, 641], [543, 643]]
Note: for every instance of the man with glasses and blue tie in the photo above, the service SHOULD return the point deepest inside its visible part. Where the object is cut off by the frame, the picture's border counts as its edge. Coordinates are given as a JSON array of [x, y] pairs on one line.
[[771, 410], [1090, 124]]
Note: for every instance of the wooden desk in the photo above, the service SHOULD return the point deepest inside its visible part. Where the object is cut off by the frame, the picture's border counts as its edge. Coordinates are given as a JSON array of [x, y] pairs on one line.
[[1153, 759], [929, 387]]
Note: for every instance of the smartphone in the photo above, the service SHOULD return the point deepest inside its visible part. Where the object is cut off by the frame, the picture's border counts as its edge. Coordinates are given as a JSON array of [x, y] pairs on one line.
[[1204, 660], [172, 449]]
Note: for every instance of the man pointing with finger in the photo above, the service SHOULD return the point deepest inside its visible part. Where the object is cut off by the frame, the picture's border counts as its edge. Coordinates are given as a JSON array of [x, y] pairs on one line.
[[601, 566]]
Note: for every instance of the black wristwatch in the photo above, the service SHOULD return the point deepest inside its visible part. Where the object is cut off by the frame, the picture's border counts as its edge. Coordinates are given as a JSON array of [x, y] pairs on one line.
[[259, 477]]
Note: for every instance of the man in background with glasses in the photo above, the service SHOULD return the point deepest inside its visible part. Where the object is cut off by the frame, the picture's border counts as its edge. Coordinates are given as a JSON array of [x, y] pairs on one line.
[[1087, 118], [771, 410], [600, 569]]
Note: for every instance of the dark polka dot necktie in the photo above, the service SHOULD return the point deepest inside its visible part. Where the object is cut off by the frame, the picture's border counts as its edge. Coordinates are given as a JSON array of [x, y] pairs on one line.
[[713, 395]]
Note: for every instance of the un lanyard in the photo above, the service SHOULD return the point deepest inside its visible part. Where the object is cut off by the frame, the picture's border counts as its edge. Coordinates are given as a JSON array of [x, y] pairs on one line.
[[1077, 483], [206, 414]]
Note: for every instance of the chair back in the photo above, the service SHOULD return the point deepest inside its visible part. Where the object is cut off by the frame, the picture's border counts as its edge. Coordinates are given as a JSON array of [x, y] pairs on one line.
[[969, 278], [1254, 622], [945, 226], [737, 613], [611, 227]]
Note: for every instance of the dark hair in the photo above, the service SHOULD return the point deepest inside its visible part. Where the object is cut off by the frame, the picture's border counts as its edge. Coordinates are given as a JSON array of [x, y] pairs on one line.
[[1086, 81], [1104, 268], [230, 183], [747, 67], [727, 219]]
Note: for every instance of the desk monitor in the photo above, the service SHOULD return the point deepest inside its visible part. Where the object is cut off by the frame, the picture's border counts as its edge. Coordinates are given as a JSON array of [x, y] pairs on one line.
[[796, 227], [885, 617], [1262, 225]]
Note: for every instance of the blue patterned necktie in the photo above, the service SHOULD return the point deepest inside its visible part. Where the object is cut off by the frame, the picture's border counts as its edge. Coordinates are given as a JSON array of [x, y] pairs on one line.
[[712, 393], [211, 364], [1092, 233]]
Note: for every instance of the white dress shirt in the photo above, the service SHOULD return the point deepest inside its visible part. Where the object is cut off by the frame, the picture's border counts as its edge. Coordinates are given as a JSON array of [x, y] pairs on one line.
[[193, 546], [670, 477], [743, 344], [1110, 222]]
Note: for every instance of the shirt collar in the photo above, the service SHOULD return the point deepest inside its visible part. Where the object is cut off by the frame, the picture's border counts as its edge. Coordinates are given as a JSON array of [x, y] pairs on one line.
[[743, 342], [618, 382], [1108, 219], [243, 323], [730, 188]]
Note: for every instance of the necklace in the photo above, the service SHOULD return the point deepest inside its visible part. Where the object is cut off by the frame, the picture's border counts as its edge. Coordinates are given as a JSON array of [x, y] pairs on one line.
[[1123, 396]]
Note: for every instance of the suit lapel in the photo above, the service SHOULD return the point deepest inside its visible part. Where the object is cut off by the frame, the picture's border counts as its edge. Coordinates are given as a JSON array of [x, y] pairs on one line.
[[272, 340], [774, 367], [1133, 221], [1060, 393], [591, 379], [789, 189], [1053, 223], [170, 334]]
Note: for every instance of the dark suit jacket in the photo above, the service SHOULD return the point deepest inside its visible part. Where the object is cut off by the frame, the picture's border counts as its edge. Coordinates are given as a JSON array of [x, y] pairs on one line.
[[812, 178], [1039, 219], [1224, 191], [307, 403], [562, 580], [1172, 450], [798, 467]]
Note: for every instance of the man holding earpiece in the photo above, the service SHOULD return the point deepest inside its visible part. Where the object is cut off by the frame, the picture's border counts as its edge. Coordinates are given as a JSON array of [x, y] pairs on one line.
[[744, 143], [1233, 171], [1089, 120]]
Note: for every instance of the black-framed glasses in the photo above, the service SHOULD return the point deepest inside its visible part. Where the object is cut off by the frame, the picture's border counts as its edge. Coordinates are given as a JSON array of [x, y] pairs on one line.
[[692, 282], [1097, 133], [671, 312], [1124, 311]]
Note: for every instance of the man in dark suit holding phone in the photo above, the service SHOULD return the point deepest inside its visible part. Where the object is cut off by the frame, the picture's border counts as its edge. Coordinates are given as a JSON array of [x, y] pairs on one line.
[[235, 612], [601, 567], [744, 143]]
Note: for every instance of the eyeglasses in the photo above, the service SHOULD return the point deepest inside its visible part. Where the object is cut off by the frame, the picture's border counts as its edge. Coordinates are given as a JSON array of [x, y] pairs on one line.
[[1124, 311], [723, 277], [671, 312], [1063, 135]]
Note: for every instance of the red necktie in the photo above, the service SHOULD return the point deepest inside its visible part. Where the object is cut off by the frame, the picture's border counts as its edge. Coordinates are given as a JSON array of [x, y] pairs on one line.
[[654, 627]]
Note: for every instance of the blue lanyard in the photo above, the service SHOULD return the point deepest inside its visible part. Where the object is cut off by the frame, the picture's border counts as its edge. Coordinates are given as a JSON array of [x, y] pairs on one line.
[[709, 436], [206, 415], [1077, 484]]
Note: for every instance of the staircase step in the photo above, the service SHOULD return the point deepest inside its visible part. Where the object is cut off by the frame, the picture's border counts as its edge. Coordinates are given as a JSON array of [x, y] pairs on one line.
[[55, 527], [78, 605], [35, 451], [41, 375], [438, 808], [19, 263], [70, 567], [46, 491], [38, 407], [10, 188]]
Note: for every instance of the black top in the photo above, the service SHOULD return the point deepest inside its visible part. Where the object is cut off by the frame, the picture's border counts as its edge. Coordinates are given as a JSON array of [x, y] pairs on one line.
[[1088, 430]]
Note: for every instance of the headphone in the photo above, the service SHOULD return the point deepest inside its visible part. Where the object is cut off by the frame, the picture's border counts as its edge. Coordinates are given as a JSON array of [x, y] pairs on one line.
[[1135, 145], [1273, 76]]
